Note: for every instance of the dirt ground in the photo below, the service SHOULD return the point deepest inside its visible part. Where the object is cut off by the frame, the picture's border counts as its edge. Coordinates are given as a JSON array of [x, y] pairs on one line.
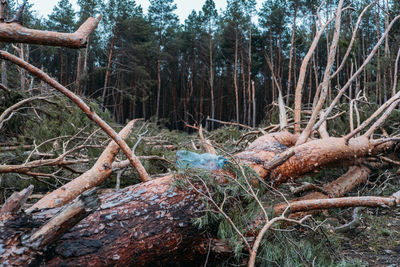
[[376, 241]]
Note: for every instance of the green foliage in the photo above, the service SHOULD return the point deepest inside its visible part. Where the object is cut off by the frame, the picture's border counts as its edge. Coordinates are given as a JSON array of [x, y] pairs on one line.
[[63, 119], [239, 204], [299, 247]]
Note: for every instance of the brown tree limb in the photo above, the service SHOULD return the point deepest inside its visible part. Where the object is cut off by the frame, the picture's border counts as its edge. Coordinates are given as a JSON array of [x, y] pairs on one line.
[[16, 33], [309, 156], [207, 146], [84, 107], [344, 202], [354, 177], [100, 171], [64, 220]]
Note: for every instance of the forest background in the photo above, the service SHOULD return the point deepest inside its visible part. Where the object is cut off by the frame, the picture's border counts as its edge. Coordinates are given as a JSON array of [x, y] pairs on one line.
[[153, 67]]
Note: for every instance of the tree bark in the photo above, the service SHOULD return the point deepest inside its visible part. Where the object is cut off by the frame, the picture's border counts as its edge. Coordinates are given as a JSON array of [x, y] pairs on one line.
[[235, 75], [151, 223], [211, 70], [158, 79], [289, 84], [108, 70]]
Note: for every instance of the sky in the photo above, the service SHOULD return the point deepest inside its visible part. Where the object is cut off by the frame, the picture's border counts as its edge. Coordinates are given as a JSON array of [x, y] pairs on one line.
[[184, 7]]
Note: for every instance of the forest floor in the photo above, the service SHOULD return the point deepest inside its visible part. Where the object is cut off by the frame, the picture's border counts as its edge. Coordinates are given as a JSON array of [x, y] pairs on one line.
[[376, 242]]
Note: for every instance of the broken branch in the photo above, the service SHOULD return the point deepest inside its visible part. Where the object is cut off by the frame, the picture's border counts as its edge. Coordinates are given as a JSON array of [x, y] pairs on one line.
[[84, 107], [16, 33]]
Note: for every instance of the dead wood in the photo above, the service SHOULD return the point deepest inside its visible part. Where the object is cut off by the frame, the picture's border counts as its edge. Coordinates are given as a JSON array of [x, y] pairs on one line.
[[355, 176], [100, 171], [84, 107], [344, 202], [14, 202], [21, 244], [64, 220], [151, 222], [16, 33]]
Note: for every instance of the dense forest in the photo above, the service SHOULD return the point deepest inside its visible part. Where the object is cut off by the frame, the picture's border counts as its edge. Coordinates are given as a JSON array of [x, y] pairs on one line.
[[214, 64], [244, 136]]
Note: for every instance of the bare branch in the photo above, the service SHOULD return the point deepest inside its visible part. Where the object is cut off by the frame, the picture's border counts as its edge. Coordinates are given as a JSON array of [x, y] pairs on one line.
[[230, 123], [17, 105], [396, 68], [84, 107], [207, 146], [15, 33], [282, 112], [100, 171], [355, 75], [343, 202], [353, 38], [302, 74], [382, 119], [327, 77]]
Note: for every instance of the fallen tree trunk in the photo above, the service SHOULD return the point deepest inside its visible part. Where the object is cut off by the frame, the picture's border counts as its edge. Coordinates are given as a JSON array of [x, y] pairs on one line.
[[151, 223]]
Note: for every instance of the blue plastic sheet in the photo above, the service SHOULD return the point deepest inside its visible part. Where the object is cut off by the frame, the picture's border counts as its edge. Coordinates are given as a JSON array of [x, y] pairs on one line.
[[207, 161]]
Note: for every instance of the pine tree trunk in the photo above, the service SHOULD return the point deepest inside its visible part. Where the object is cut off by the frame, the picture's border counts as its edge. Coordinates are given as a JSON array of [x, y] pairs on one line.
[[158, 81], [235, 75], [108, 70], [152, 223], [78, 73], [211, 70], [249, 77], [289, 84]]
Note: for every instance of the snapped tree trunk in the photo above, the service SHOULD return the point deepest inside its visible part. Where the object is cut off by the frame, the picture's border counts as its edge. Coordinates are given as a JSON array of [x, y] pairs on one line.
[[151, 223]]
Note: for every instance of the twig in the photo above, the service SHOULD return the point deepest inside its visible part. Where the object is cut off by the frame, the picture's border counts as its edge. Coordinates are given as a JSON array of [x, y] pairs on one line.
[[17, 105], [230, 123], [99, 172], [350, 225]]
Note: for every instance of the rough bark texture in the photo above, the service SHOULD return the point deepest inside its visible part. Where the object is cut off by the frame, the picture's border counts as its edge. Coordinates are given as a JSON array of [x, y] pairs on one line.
[[151, 223], [145, 224]]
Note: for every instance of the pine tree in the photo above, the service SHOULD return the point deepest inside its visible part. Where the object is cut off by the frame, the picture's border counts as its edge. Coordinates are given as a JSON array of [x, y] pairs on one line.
[[162, 18], [62, 19], [209, 16]]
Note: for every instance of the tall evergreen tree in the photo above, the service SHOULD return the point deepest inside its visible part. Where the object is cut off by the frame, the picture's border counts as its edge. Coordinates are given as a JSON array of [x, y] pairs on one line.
[[162, 18], [62, 19], [209, 16]]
